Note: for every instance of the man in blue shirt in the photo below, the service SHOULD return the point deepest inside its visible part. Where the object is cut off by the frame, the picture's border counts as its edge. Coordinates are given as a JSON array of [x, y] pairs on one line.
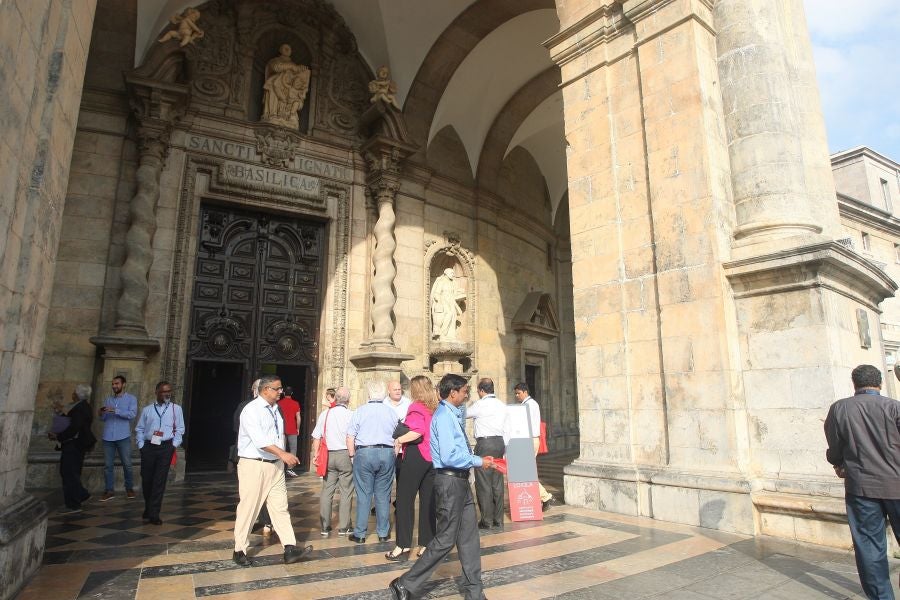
[[454, 506], [116, 413], [370, 443], [158, 433]]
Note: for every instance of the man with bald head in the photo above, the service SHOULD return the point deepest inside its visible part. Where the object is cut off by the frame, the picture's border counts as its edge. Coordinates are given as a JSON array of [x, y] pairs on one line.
[[332, 425]]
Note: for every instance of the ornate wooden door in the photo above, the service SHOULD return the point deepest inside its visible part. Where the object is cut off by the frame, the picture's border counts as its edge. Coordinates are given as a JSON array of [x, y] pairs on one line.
[[256, 296]]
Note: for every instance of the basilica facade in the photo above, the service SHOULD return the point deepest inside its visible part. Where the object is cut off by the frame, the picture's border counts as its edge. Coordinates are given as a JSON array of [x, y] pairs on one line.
[[626, 204]]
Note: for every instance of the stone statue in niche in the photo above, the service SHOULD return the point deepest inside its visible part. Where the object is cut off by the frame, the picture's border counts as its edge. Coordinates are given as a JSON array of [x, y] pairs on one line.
[[445, 307], [187, 30], [383, 89], [284, 90]]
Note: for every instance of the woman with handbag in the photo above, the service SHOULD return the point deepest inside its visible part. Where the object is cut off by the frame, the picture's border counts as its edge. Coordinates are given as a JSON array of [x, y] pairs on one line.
[[417, 474]]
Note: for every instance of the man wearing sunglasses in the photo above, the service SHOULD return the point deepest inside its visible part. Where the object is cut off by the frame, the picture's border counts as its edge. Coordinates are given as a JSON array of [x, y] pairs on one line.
[[261, 462]]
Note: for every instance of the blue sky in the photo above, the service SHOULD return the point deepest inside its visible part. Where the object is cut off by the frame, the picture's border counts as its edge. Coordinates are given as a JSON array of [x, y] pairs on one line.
[[857, 50]]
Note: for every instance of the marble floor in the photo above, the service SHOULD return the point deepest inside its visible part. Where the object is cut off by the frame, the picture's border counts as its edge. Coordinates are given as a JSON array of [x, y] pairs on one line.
[[107, 552]]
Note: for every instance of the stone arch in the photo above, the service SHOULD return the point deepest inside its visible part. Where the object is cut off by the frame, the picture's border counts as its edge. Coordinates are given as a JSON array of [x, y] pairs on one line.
[[508, 121], [520, 181], [449, 51], [447, 156]]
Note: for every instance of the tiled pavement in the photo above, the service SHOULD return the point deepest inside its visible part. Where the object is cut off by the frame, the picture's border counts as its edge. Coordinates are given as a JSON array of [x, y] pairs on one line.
[[106, 552]]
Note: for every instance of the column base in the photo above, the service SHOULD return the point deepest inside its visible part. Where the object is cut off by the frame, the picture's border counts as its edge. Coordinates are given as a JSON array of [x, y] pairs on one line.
[[23, 533], [379, 357], [810, 511]]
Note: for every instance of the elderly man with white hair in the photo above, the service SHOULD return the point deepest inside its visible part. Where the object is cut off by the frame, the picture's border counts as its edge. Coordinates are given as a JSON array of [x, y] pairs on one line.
[[74, 441], [370, 443]]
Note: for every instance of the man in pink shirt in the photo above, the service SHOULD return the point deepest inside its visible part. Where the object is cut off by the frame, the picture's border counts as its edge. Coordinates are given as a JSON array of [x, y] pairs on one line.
[[290, 410]]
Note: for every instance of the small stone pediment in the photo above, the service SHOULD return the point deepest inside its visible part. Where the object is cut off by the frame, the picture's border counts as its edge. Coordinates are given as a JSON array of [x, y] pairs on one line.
[[537, 315]]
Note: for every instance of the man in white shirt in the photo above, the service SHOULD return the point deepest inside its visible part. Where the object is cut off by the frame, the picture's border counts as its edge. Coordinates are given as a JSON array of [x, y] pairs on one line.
[[489, 416], [332, 425], [534, 432], [261, 464], [396, 399]]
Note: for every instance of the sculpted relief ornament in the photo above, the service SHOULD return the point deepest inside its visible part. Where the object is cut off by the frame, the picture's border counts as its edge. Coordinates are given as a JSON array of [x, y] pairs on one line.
[[445, 307], [284, 90], [186, 30], [383, 89]]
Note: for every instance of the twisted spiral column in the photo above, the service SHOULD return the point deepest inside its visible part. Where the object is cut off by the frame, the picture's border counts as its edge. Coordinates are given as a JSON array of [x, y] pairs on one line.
[[385, 271], [138, 240]]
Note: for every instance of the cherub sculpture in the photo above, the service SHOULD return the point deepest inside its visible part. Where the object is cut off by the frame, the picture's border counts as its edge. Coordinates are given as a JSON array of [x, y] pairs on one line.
[[383, 89], [187, 30]]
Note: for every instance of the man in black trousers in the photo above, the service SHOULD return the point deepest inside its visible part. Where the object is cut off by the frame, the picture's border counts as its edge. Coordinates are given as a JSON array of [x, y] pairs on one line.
[[454, 505], [158, 433], [489, 415]]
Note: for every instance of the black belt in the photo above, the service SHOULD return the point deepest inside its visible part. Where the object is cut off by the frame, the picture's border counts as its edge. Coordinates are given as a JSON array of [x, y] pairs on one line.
[[147, 441], [489, 437], [453, 473], [376, 446], [339, 450], [265, 460]]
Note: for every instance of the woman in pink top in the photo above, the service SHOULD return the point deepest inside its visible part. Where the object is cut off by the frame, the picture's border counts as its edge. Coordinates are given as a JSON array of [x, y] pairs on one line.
[[416, 472]]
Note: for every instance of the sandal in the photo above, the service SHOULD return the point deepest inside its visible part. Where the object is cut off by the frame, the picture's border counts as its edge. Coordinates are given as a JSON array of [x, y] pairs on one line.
[[398, 554], [421, 551]]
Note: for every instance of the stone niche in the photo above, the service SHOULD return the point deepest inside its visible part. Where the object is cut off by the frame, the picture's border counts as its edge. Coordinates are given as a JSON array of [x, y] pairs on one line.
[[450, 307], [225, 69]]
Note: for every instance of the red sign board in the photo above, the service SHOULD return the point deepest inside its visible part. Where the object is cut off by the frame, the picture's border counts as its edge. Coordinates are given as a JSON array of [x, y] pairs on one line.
[[525, 501]]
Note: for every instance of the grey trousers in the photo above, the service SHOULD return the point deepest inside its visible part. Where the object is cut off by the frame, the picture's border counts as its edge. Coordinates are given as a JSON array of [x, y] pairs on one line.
[[340, 473], [456, 526], [489, 487]]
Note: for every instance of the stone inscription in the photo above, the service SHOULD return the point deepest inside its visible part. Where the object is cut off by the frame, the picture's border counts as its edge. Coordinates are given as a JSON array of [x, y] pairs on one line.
[[271, 179], [236, 150], [200, 143]]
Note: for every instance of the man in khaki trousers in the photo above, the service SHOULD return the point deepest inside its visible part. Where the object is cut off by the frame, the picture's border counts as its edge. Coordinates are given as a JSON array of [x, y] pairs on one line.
[[261, 463]]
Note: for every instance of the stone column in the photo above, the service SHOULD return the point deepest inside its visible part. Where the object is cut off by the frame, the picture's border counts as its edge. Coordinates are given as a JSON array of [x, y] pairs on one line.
[[156, 107], [780, 171], [126, 348], [44, 48], [384, 152]]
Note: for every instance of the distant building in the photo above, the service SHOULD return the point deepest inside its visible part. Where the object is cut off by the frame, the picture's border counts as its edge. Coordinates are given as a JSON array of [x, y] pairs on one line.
[[868, 192]]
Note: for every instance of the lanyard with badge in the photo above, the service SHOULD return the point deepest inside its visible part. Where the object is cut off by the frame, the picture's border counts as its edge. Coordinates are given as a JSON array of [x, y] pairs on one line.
[[156, 438], [279, 431]]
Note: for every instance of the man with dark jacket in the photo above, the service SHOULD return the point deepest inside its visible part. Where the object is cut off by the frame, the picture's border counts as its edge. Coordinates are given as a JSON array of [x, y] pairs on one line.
[[74, 441], [863, 433]]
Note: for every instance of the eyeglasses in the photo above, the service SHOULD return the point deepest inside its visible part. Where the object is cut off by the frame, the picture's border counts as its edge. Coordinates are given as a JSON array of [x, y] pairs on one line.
[[278, 389]]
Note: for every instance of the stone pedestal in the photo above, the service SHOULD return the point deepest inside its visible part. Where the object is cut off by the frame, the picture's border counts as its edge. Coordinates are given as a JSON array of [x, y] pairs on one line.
[[126, 356], [447, 356], [379, 362]]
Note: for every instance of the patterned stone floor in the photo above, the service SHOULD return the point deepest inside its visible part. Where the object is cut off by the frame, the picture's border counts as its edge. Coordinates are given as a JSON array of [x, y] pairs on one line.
[[106, 552]]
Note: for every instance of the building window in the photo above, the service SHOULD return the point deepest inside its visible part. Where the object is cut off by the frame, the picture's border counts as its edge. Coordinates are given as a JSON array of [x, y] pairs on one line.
[[886, 194], [866, 244]]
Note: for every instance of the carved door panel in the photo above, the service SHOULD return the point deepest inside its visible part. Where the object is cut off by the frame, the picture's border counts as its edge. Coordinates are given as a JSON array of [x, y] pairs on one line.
[[256, 296]]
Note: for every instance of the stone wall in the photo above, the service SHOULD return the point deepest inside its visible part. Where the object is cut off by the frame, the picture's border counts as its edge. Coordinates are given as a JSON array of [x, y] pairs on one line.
[[43, 49]]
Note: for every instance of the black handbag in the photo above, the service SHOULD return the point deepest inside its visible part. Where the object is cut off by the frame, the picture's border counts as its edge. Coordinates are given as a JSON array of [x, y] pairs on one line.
[[400, 430]]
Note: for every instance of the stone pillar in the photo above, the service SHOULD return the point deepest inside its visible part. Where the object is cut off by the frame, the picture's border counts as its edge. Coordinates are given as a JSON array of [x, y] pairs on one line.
[[44, 46], [661, 423], [384, 152], [157, 106], [780, 170]]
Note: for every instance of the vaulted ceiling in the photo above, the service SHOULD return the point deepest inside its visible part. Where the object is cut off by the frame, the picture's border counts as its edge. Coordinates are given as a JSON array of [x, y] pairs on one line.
[[401, 33]]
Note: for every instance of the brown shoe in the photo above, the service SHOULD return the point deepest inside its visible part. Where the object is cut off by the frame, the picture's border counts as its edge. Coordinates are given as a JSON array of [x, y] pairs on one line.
[[107, 496], [130, 494]]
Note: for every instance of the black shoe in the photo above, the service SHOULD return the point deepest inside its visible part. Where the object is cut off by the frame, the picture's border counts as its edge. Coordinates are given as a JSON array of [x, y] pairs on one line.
[[395, 556], [358, 540], [546, 504], [497, 527], [156, 521], [386, 538], [398, 592], [292, 554], [345, 531], [326, 531], [242, 559], [483, 526]]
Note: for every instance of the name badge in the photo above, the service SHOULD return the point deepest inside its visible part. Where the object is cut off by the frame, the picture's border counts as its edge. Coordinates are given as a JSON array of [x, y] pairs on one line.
[[156, 438]]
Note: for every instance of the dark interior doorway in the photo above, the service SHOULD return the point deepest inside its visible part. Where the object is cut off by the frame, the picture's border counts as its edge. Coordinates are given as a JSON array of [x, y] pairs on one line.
[[216, 390], [297, 378]]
